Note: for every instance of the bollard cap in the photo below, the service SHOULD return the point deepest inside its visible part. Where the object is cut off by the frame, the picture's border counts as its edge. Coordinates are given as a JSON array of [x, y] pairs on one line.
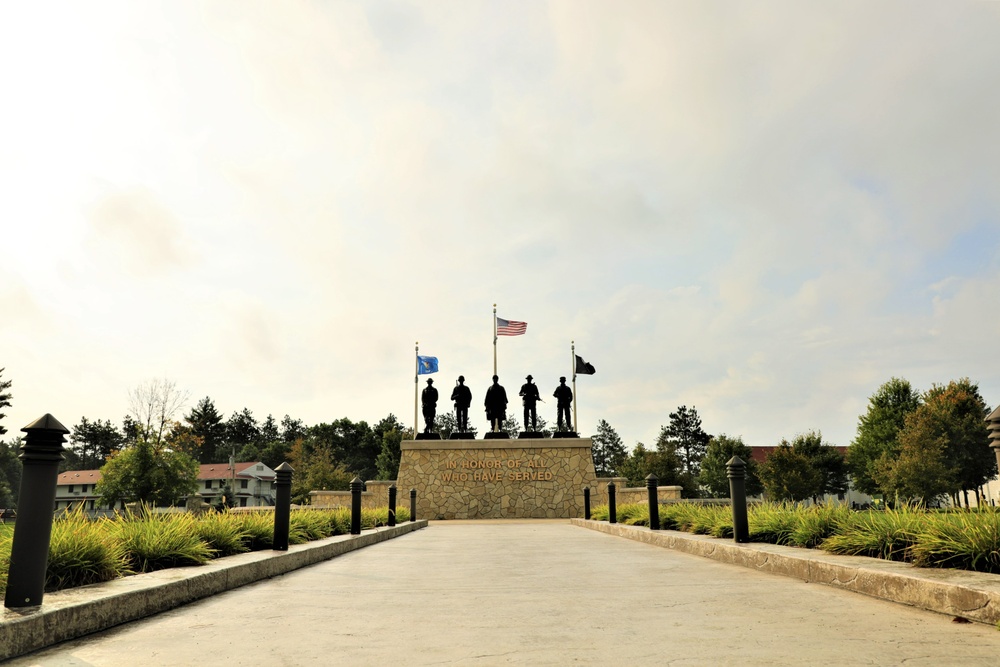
[[736, 461], [45, 423], [284, 467]]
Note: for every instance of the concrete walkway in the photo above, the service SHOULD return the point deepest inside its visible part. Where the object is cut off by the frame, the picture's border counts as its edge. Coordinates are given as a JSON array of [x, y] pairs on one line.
[[532, 592]]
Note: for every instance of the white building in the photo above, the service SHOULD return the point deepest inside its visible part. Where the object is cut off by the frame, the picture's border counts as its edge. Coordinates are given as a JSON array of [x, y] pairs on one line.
[[252, 482]]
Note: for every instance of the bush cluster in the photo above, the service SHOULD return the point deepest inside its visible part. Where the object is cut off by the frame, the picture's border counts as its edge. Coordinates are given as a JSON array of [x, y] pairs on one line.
[[86, 551], [960, 539]]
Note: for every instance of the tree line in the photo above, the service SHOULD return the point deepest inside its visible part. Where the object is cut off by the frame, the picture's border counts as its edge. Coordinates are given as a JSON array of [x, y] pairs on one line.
[[909, 446]]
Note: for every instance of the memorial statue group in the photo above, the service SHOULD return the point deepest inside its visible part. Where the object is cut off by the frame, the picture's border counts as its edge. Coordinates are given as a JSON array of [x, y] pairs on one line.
[[496, 405]]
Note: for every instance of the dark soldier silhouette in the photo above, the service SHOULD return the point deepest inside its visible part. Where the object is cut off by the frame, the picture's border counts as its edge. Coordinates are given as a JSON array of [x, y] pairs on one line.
[[428, 401], [564, 396], [496, 405], [462, 396], [529, 396]]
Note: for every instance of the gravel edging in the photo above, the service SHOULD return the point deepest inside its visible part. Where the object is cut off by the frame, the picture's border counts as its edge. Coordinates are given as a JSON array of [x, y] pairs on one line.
[[76, 612], [974, 596]]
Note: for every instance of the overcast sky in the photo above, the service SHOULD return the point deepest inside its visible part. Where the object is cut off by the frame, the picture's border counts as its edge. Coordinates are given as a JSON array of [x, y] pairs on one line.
[[761, 209]]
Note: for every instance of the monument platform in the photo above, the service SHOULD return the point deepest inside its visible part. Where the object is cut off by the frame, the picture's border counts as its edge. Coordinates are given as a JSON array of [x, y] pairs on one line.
[[539, 478]]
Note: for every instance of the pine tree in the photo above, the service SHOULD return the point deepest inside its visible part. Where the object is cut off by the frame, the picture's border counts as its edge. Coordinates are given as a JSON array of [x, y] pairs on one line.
[[206, 423], [685, 435], [608, 450], [5, 397]]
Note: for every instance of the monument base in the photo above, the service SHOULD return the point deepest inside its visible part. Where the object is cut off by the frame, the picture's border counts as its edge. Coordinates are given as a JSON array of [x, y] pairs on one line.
[[428, 436], [497, 478], [565, 434], [499, 435], [462, 435], [530, 435]]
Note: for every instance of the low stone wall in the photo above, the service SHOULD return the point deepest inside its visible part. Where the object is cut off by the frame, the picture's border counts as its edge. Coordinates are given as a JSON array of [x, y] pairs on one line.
[[376, 496], [625, 495]]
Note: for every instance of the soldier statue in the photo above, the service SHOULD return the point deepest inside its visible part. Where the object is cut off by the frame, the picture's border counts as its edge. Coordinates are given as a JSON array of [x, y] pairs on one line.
[[529, 396], [428, 401], [496, 405], [462, 396], [564, 396]]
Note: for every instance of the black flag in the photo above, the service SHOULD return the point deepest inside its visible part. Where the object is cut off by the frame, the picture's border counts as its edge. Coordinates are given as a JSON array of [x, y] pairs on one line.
[[582, 367]]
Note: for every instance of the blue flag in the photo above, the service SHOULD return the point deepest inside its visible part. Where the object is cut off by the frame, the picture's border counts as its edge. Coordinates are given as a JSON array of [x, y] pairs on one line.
[[426, 365]]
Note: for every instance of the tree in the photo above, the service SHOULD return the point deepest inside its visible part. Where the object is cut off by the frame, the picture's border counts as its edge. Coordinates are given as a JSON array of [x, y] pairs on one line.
[[351, 444], [685, 435], [206, 422], [147, 474], [826, 460], [10, 472], [389, 432], [445, 424], [292, 429], [241, 430], [316, 469], [608, 450], [666, 465], [949, 433], [182, 438], [5, 397], [94, 442], [788, 475], [714, 474], [153, 405], [919, 469], [878, 431]]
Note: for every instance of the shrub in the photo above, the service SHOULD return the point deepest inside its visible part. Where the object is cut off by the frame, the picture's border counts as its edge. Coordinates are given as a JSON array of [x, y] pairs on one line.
[[772, 522], [257, 529], [967, 540], [155, 542], [222, 533], [81, 553], [889, 535], [815, 524]]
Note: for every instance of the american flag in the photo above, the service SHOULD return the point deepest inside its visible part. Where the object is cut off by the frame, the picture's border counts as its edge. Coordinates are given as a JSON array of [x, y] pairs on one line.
[[510, 327]]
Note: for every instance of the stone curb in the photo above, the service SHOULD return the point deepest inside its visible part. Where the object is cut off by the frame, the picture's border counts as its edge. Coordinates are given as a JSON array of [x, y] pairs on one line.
[[971, 595], [76, 612]]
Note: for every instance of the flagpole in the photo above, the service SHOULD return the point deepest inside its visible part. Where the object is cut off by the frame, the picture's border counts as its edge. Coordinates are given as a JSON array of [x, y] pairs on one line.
[[494, 339], [416, 373], [572, 354]]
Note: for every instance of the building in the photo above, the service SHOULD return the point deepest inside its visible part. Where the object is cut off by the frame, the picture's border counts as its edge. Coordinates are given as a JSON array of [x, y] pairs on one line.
[[252, 482]]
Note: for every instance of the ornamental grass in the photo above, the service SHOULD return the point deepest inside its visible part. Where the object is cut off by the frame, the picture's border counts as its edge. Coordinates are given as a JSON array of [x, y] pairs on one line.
[[963, 540], [159, 541], [80, 553], [889, 534], [222, 534]]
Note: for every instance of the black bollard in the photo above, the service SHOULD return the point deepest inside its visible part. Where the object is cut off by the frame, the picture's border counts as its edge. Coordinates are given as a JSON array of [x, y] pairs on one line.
[[612, 510], [29, 554], [413, 504], [282, 506], [586, 503], [392, 504], [356, 486], [737, 470], [654, 502]]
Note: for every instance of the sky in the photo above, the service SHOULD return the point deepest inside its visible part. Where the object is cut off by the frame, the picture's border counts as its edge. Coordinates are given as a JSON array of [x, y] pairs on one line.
[[762, 210]]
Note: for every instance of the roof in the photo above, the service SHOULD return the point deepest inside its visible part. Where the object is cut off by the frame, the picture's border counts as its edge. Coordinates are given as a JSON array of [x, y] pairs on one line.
[[222, 471], [79, 477], [205, 471]]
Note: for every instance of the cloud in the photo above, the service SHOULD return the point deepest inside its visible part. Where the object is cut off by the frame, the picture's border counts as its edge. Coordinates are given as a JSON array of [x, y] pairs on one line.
[[135, 230]]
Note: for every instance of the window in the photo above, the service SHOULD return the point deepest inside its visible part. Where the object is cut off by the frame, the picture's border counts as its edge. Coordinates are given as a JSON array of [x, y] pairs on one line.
[[83, 487], [71, 488], [208, 484], [243, 483], [243, 502]]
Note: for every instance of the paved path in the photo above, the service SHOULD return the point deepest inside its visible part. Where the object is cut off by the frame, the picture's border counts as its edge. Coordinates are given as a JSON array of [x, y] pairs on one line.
[[538, 593]]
